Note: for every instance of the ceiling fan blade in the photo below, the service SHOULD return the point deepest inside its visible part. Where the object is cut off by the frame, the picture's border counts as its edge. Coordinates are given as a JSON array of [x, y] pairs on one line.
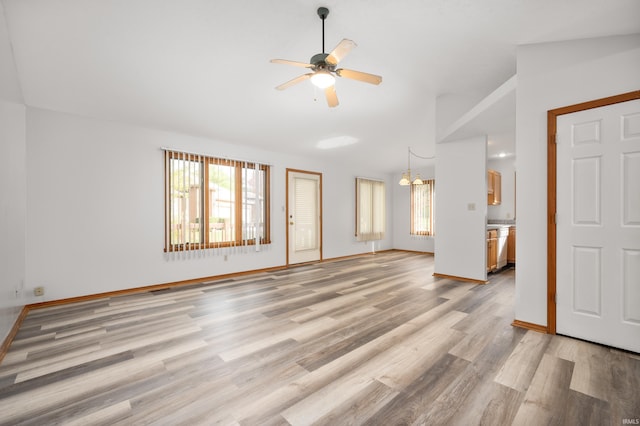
[[332, 98], [360, 76], [296, 80], [294, 63], [340, 51]]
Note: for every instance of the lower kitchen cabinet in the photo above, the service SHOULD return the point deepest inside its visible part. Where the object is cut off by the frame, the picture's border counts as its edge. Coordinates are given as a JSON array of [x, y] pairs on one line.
[[498, 248], [492, 250], [511, 245]]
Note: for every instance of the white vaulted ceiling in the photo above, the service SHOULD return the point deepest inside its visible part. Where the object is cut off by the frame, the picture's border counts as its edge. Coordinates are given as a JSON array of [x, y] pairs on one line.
[[202, 66]]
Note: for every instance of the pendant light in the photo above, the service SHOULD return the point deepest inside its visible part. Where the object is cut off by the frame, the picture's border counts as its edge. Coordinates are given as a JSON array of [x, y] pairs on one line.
[[406, 177]]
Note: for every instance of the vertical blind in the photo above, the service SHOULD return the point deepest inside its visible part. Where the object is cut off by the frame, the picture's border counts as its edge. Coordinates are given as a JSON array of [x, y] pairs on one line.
[[422, 208], [214, 203], [370, 209]]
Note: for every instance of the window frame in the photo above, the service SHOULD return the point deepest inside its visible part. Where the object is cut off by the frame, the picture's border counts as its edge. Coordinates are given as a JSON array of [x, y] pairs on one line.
[[205, 163]]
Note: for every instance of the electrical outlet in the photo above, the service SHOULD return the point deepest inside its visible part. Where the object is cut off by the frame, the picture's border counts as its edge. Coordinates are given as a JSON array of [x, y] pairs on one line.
[[38, 291], [226, 258]]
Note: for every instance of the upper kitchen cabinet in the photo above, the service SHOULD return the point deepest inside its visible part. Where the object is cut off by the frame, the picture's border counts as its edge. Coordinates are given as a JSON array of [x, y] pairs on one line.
[[505, 211], [494, 188]]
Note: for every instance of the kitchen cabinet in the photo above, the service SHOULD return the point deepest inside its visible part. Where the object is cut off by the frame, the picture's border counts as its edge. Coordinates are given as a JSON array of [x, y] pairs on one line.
[[494, 188], [497, 247], [492, 250], [511, 245]]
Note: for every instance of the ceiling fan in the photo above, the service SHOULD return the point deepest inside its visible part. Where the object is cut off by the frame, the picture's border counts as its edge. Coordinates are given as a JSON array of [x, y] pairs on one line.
[[323, 66]]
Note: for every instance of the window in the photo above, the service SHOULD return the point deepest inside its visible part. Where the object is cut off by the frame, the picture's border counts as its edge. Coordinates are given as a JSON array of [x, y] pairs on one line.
[[422, 207], [370, 209], [212, 202]]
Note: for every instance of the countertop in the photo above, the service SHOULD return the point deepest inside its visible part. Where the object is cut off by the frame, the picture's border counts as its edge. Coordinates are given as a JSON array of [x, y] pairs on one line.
[[491, 226]]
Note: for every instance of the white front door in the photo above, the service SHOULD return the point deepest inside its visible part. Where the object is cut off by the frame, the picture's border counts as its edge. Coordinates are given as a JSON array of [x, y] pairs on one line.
[[598, 225], [304, 236]]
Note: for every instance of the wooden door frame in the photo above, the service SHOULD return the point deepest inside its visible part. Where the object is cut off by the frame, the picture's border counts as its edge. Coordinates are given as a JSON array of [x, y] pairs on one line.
[[286, 216], [552, 116]]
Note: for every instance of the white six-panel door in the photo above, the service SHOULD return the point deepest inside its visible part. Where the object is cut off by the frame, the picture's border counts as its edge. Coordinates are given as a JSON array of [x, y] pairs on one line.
[[598, 225]]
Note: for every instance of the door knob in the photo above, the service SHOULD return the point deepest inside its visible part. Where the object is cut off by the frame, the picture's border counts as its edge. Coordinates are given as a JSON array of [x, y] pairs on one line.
[[290, 223]]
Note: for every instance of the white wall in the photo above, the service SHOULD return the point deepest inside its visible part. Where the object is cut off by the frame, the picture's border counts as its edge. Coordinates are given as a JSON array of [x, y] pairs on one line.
[[95, 207], [9, 83], [450, 107], [461, 180], [554, 75], [507, 208], [12, 186], [12, 213], [424, 148], [402, 240]]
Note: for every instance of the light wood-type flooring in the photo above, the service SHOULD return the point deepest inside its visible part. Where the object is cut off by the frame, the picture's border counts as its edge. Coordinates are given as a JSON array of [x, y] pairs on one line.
[[373, 340]]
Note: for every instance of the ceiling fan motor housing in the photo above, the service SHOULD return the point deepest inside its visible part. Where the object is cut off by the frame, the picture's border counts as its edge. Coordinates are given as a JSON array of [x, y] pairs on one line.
[[319, 60]]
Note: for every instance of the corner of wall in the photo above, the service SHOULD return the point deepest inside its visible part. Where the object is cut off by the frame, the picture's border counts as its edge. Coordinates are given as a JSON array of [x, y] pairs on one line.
[[12, 214]]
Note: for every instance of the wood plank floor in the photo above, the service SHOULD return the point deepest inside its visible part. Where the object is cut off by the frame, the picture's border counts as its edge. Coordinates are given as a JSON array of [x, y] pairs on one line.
[[371, 340]]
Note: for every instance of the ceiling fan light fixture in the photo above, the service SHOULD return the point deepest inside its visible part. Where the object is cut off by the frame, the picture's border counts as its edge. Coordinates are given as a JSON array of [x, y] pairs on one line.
[[322, 79], [323, 66]]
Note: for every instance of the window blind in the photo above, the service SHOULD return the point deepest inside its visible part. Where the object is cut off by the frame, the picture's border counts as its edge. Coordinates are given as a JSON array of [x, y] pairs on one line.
[[214, 204], [370, 209], [422, 208]]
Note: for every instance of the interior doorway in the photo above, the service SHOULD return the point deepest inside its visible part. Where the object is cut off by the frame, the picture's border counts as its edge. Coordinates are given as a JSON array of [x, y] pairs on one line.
[[594, 221]]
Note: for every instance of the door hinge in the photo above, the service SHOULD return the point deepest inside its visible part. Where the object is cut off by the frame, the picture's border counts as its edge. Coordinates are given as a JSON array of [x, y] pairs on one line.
[[555, 218], [555, 139]]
